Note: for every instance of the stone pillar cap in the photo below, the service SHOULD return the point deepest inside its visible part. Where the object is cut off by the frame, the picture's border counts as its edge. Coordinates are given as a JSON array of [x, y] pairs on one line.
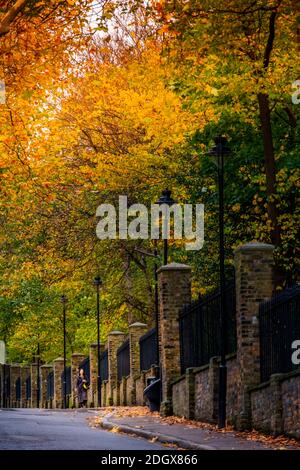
[[47, 365], [174, 267], [58, 359], [116, 332], [136, 324], [77, 354], [96, 344], [255, 246]]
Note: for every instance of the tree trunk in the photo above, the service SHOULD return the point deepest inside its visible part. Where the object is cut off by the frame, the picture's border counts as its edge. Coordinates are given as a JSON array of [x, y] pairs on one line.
[[270, 166]]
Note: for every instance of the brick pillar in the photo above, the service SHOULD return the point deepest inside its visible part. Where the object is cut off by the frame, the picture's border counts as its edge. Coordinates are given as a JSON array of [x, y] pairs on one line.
[[34, 385], [76, 360], [25, 372], [123, 392], [94, 372], [175, 291], [58, 367], [15, 373], [103, 393], [114, 341], [45, 370], [136, 331], [254, 284]]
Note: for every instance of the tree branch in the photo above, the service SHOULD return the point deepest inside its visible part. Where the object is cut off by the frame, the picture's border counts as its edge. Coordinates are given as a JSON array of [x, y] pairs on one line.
[[271, 39], [11, 15]]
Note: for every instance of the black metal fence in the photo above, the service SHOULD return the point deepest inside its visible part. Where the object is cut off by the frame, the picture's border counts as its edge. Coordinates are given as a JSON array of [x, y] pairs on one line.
[[18, 389], [6, 385], [279, 320], [28, 387], [199, 327], [50, 386], [85, 365], [148, 350], [104, 365], [68, 380], [123, 360]]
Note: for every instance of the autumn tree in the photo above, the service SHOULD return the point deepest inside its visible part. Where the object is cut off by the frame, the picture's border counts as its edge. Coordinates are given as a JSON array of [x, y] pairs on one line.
[[124, 98], [245, 49]]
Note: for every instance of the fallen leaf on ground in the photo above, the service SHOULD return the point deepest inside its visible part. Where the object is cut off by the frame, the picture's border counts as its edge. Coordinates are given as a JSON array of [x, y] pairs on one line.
[[115, 429]]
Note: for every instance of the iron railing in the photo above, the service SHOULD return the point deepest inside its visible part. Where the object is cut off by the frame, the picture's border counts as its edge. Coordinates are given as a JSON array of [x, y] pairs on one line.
[[18, 389], [28, 387], [279, 320], [85, 365], [50, 386], [123, 361], [6, 385], [200, 332], [148, 350], [68, 380], [104, 365]]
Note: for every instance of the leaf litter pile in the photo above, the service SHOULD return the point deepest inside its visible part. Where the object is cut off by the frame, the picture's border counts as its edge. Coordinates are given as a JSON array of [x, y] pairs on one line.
[[278, 442]]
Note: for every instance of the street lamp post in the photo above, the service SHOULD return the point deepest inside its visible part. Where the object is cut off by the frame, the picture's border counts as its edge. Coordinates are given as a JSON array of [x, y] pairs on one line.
[[220, 151], [156, 306], [38, 377], [165, 199], [97, 284], [64, 302]]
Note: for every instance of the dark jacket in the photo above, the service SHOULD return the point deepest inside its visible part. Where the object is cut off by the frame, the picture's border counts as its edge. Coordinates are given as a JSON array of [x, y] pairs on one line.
[[81, 390]]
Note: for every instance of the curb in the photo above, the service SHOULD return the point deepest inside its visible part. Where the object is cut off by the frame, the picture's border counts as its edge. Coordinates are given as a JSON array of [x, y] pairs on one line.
[[163, 438]]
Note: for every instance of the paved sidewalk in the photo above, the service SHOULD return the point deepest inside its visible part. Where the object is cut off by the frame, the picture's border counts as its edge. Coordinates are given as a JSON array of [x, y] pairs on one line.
[[185, 436]]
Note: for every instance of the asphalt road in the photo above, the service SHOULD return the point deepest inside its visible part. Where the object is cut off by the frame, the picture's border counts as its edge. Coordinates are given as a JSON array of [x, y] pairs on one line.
[[34, 429]]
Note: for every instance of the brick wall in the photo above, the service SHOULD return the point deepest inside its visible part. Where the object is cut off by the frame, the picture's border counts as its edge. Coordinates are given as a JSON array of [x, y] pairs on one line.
[[203, 397], [205, 392], [178, 397], [261, 404], [139, 389], [275, 405], [291, 405], [232, 390]]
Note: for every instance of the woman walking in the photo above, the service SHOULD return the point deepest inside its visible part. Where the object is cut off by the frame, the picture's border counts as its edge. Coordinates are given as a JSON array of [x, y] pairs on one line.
[[82, 388]]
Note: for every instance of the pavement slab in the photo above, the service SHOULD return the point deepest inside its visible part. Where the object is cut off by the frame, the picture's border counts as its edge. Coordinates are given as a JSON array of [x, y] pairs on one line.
[[185, 436]]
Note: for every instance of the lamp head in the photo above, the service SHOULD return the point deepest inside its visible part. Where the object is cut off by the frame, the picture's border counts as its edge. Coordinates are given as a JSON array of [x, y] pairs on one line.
[[166, 198], [97, 281], [220, 148]]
